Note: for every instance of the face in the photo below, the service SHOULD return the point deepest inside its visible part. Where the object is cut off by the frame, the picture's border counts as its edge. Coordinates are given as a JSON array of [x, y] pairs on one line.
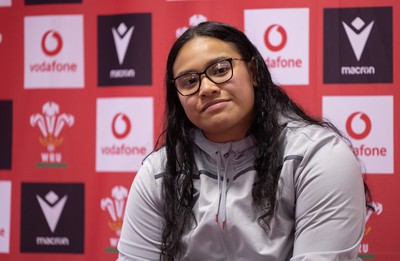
[[224, 112]]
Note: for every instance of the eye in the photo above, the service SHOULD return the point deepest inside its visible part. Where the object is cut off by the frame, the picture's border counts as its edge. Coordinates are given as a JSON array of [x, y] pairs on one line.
[[187, 81], [219, 69]]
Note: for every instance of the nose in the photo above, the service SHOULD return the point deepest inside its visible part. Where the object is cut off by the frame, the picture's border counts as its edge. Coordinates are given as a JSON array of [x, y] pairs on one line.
[[207, 87]]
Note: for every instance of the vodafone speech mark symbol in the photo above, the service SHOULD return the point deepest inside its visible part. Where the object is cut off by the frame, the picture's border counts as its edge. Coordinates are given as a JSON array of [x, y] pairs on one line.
[[118, 120], [367, 122], [271, 34], [51, 43]]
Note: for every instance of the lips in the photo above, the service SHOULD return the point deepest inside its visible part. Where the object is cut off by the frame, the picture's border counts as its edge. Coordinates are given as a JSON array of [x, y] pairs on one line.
[[211, 103]]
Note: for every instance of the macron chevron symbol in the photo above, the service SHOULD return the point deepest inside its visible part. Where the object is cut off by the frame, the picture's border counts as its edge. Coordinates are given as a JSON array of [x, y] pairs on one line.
[[52, 208], [358, 40], [122, 36]]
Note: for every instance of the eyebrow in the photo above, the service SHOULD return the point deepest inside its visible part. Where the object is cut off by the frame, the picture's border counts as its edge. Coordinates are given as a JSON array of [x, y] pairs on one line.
[[215, 60]]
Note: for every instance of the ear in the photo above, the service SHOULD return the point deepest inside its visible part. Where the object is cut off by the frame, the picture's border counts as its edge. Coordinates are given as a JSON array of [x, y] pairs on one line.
[[252, 65]]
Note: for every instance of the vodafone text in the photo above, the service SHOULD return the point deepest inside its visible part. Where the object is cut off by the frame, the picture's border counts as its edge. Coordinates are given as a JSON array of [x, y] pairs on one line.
[[123, 150], [370, 151], [280, 62], [53, 67]]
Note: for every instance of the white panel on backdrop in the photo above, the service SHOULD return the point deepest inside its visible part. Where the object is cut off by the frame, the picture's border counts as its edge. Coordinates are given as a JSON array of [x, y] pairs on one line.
[[368, 122], [5, 205], [124, 133], [282, 37], [5, 3], [53, 51]]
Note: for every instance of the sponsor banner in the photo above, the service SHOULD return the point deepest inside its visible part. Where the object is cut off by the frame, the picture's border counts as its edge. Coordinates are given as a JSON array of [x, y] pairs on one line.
[[4, 3], [35, 2], [358, 45], [124, 133], [113, 207], [51, 122], [282, 37], [127, 38], [53, 52], [52, 217], [361, 118], [5, 216], [6, 112]]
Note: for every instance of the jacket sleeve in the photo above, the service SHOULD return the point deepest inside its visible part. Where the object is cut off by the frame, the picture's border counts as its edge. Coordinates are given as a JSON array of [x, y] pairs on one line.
[[330, 203], [142, 226]]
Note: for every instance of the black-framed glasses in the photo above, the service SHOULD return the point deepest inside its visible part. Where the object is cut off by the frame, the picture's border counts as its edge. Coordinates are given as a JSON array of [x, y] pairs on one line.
[[219, 72]]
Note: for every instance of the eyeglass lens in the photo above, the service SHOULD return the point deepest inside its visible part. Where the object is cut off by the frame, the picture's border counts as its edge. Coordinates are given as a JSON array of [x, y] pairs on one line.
[[218, 72]]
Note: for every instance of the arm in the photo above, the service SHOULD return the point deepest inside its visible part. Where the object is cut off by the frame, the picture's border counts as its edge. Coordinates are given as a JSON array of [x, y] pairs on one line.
[[142, 227], [330, 203]]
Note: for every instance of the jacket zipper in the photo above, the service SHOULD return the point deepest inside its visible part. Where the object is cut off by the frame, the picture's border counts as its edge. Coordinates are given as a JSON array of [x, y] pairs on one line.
[[225, 242]]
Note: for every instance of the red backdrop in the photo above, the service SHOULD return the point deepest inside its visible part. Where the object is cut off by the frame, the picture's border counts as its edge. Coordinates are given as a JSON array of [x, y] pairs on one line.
[[81, 103]]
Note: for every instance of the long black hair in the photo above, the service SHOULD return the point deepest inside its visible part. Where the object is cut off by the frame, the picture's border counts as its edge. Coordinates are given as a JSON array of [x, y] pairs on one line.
[[271, 101]]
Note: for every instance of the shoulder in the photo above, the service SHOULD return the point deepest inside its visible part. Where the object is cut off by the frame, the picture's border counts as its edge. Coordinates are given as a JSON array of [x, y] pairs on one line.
[[146, 186], [319, 154], [155, 161], [152, 170], [303, 139], [323, 178]]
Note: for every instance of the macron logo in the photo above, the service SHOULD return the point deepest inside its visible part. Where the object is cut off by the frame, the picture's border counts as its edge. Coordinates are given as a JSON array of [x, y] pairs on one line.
[[122, 36], [52, 208], [358, 39]]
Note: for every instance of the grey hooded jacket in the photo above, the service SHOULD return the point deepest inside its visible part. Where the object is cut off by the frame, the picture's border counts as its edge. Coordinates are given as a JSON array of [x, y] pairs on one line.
[[320, 213]]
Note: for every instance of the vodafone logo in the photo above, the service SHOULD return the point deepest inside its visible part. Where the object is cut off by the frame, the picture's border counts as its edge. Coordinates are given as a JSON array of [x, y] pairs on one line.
[[51, 43], [358, 125], [368, 123], [282, 37], [275, 37], [121, 126], [54, 57]]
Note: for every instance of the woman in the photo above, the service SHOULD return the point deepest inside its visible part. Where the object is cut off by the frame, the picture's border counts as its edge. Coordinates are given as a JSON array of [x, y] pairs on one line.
[[245, 173]]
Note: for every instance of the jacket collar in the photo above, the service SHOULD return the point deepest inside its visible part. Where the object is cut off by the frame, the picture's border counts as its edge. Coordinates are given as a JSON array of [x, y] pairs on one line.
[[210, 147]]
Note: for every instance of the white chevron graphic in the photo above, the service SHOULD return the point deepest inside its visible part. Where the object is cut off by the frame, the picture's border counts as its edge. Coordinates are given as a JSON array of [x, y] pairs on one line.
[[51, 211], [358, 40], [122, 37]]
